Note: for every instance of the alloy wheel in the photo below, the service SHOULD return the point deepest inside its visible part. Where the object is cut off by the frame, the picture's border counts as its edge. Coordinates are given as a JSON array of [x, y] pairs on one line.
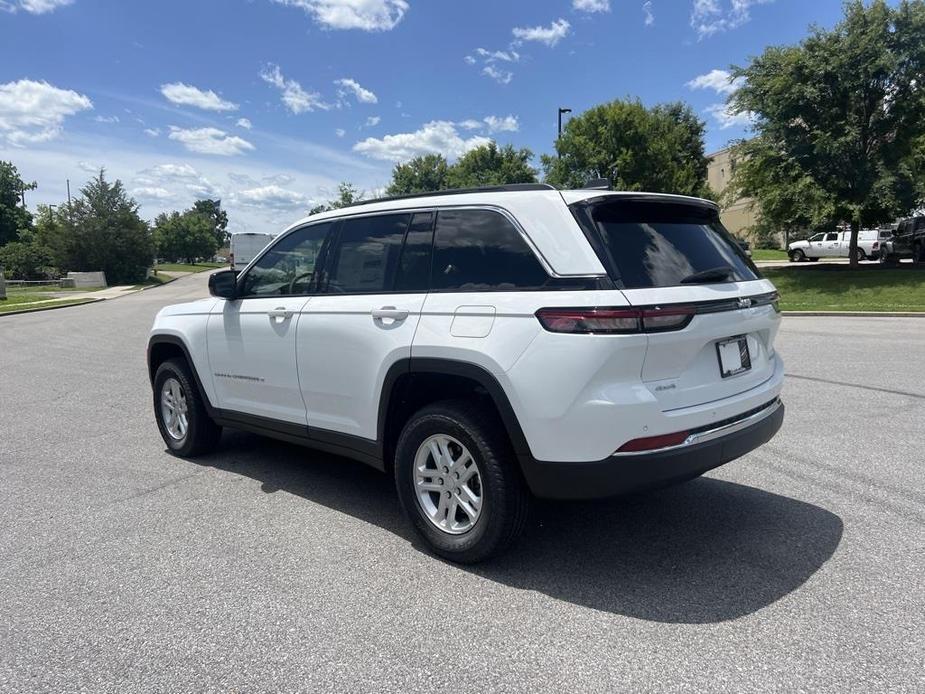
[[448, 484], [174, 409]]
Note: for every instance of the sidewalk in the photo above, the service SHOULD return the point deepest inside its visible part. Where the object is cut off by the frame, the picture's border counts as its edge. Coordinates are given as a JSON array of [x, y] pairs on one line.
[[108, 293]]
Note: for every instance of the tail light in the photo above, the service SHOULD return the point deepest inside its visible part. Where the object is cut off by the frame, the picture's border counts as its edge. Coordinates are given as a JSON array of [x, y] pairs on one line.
[[614, 321]]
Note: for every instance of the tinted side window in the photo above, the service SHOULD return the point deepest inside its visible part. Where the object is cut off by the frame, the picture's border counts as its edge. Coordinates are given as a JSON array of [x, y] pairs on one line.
[[480, 250], [365, 259], [414, 268], [288, 267]]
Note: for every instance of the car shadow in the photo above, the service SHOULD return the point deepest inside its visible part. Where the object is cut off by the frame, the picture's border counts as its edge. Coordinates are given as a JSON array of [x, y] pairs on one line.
[[702, 552]]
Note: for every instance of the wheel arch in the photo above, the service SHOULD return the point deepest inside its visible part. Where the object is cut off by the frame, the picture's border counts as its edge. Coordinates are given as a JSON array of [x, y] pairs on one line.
[[164, 347], [396, 403]]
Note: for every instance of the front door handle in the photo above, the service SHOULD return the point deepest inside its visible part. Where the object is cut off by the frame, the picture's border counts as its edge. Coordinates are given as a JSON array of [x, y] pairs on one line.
[[390, 312], [280, 312]]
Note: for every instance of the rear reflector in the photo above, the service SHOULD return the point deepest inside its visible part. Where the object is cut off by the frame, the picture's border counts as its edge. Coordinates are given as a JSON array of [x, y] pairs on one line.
[[614, 321], [652, 443]]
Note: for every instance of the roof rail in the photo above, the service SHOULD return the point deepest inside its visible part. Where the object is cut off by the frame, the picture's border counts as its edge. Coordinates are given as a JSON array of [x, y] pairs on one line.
[[506, 188]]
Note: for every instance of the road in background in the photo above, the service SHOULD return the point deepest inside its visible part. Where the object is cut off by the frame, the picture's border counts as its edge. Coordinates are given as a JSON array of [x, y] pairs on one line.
[[267, 567]]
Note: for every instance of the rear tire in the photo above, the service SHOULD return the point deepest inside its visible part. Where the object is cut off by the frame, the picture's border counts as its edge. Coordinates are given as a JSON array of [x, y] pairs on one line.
[[433, 479], [860, 255], [180, 412]]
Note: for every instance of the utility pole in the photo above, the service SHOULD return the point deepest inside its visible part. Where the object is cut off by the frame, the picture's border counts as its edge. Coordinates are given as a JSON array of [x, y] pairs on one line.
[[68, 194], [561, 111]]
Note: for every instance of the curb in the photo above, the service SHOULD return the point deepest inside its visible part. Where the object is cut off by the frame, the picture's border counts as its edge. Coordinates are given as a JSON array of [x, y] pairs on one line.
[[156, 286], [858, 314], [50, 308]]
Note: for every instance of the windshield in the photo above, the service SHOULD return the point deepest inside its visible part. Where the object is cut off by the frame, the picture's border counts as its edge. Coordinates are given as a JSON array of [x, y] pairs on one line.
[[658, 244]]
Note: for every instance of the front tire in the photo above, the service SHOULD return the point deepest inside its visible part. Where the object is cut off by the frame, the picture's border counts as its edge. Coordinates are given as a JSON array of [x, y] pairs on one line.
[[180, 412], [458, 482], [797, 256]]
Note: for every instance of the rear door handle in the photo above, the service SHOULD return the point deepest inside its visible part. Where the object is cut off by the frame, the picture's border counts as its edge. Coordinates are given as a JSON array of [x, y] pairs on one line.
[[390, 312], [280, 312]]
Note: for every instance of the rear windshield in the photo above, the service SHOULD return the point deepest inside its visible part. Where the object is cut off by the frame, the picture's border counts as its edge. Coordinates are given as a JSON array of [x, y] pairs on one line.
[[658, 244]]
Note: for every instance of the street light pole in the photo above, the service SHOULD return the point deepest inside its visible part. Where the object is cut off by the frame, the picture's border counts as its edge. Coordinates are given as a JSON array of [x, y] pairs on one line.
[[561, 111]]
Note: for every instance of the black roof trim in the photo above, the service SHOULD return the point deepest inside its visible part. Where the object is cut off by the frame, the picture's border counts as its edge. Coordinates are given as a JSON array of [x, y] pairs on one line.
[[508, 188]]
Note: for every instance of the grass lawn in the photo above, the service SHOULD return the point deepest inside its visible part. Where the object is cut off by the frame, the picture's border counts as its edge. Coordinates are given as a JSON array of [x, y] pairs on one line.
[[768, 254], [839, 288], [6, 306], [186, 267]]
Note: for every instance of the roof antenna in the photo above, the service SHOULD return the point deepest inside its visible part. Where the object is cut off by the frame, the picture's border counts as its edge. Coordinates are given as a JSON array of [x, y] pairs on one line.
[[598, 184]]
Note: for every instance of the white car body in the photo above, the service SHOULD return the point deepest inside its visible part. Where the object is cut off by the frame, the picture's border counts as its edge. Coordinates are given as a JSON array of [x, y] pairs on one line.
[[323, 364]]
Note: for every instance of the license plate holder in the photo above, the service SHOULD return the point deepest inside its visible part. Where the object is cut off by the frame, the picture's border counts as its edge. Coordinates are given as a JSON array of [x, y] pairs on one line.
[[733, 356]]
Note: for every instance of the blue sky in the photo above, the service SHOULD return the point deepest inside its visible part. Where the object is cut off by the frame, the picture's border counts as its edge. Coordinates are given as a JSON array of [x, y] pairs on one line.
[[268, 104]]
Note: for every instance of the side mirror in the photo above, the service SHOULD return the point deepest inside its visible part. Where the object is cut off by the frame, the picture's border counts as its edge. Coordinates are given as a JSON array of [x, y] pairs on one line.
[[224, 284]]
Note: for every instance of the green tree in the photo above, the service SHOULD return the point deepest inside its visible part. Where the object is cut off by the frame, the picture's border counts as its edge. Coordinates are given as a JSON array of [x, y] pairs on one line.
[[658, 149], [840, 117], [491, 165], [25, 260], [13, 216], [423, 174], [186, 237], [102, 231], [347, 194], [212, 209]]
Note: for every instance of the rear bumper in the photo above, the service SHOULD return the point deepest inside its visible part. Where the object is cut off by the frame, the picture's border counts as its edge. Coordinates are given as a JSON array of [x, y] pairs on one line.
[[625, 474]]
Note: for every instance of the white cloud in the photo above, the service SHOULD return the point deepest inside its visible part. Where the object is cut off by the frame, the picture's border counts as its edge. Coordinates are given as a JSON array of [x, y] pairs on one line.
[[351, 86], [107, 119], [244, 123], [499, 76], [188, 95], [171, 171], [35, 111], [724, 116], [366, 15], [435, 137], [151, 193], [550, 35], [470, 124], [152, 132], [272, 196], [499, 125], [508, 56], [210, 141], [490, 59], [648, 13], [340, 132], [373, 121], [88, 167], [33, 6], [720, 81], [296, 99], [710, 17], [591, 5]]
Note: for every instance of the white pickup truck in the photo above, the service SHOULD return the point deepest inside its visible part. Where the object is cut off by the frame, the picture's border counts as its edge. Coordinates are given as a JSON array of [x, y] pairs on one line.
[[837, 244]]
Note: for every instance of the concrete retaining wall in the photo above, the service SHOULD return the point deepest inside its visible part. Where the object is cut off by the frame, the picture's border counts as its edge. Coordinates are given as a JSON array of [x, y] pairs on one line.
[[88, 279]]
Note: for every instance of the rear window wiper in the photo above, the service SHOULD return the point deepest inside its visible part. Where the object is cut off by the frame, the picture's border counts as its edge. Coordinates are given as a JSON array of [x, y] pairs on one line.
[[714, 274]]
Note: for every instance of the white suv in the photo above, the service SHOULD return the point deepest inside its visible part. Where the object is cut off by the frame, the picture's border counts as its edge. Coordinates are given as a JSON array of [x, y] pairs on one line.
[[485, 346]]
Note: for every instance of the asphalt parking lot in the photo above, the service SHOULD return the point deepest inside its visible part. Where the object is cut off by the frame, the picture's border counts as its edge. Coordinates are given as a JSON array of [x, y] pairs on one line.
[[266, 567]]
